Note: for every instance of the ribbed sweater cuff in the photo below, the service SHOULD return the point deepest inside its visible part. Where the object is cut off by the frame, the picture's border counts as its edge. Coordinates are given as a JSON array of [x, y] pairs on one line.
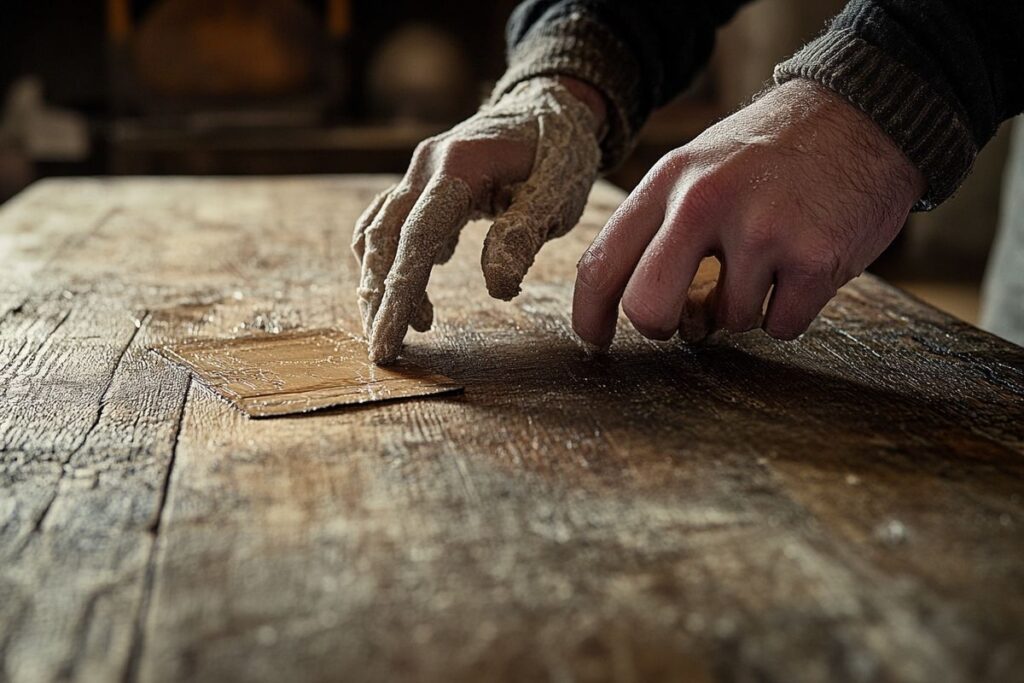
[[581, 48], [929, 128]]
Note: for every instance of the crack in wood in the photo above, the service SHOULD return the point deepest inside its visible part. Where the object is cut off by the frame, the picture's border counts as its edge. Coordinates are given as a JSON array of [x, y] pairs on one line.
[[14, 356], [41, 519], [154, 526], [131, 671], [39, 349]]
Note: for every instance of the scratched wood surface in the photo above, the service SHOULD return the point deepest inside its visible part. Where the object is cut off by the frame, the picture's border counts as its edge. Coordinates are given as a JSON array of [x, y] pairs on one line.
[[849, 507]]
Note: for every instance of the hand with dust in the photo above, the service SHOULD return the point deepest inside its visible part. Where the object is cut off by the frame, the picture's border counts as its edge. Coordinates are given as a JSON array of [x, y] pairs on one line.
[[795, 194], [528, 159]]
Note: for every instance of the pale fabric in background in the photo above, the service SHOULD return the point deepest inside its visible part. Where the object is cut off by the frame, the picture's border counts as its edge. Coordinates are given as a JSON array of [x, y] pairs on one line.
[[1003, 299]]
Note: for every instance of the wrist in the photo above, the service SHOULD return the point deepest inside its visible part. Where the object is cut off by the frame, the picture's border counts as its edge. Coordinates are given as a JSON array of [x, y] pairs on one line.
[[590, 96], [854, 125], [857, 125]]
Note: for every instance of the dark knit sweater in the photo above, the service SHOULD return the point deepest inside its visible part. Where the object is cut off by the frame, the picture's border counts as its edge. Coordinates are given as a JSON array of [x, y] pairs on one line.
[[938, 76]]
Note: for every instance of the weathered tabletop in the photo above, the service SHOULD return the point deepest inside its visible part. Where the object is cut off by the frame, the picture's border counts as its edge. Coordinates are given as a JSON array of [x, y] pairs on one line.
[[846, 507]]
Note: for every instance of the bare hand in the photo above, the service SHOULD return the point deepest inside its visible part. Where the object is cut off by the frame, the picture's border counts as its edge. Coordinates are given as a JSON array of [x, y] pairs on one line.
[[800, 191]]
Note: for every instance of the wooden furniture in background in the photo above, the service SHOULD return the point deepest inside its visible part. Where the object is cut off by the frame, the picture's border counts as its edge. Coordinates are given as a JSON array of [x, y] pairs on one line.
[[847, 507]]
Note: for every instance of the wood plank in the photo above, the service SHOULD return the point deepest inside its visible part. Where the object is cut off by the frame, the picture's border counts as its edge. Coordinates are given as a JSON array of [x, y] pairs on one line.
[[87, 436], [586, 516], [848, 507]]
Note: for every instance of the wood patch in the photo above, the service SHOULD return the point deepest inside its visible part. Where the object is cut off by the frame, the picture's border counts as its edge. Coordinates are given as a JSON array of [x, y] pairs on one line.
[[297, 372]]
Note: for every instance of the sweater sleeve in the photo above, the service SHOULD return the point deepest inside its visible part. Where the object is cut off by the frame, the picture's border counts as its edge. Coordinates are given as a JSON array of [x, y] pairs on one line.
[[938, 76], [639, 54]]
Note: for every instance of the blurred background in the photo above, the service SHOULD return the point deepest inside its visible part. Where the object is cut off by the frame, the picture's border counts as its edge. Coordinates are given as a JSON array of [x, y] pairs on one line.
[[97, 87]]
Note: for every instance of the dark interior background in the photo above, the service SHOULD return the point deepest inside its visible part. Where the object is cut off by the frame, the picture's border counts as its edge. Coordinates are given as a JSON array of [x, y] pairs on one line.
[[98, 87]]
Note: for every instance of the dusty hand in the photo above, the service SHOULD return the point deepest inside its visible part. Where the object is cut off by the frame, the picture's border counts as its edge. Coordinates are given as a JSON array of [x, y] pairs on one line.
[[799, 190], [530, 159]]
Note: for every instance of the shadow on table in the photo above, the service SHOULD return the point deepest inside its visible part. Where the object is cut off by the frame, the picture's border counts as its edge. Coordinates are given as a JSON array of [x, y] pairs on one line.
[[746, 394]]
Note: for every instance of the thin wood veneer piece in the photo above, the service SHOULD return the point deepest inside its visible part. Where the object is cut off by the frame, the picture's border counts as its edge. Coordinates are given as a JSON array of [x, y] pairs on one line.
[[296, 372]]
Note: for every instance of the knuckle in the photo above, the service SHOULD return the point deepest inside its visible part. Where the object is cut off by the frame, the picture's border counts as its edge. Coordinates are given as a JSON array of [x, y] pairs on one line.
[[457, 153], [698, 202], [671, 164], [815, 266], [757, 237], [424, 153], [592, 269]]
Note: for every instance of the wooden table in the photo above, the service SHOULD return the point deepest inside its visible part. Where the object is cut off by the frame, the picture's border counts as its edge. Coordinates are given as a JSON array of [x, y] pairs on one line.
[[849, 507]]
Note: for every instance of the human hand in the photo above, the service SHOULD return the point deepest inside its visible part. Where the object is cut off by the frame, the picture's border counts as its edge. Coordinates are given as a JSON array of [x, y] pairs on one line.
[[530, 159], [800, 190]]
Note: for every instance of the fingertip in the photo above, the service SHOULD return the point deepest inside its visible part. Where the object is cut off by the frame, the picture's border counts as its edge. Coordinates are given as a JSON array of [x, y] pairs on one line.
[[593, 320], [509, 251], [793, 307], [738, 325], [652, 315], [596, 340], [501, 275], [501, 286], [389, 327], [783, 332], [593, 330], [383, 350], [654, 333]]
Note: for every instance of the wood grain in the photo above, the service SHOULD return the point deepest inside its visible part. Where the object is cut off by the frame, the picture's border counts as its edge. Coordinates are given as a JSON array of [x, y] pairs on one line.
[[849, 507]]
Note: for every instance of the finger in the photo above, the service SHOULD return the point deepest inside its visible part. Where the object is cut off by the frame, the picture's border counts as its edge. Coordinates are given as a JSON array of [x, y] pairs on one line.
[[604, 269], [380, 240], [423, 318], [794, 304], [548, 204], [363, 222], [697, 319], [742, 289], [654, 296], [513, 241], [441, 211], [656, 292]]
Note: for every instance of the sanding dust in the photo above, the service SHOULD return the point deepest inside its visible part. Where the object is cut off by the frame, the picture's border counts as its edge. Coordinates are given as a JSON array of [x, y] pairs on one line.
[[297, 372]]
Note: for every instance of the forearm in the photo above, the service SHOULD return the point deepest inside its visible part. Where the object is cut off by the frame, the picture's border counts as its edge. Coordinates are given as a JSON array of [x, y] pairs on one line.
[[937, 77], [638, 55]]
